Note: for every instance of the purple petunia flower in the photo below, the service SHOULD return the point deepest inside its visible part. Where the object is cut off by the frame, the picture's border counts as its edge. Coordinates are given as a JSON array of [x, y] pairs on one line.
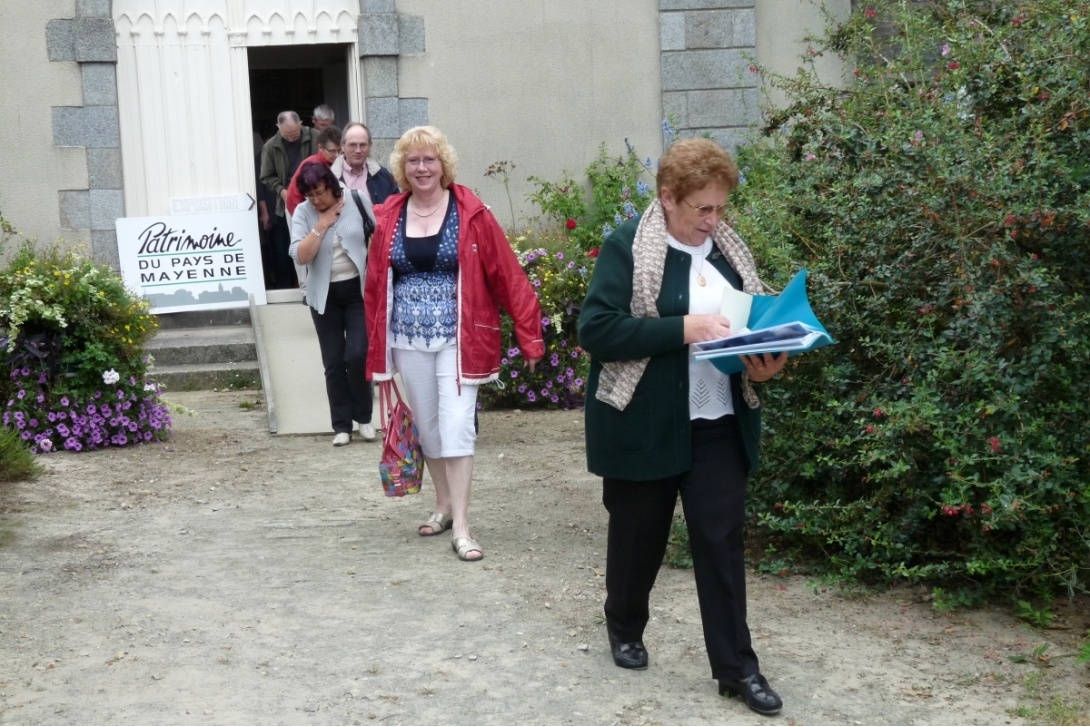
[[514, 373], [554, 398], [64, 401], [531, 396], [512, 352], [578, 382], [545, 321], [560, 256], [21, 394]]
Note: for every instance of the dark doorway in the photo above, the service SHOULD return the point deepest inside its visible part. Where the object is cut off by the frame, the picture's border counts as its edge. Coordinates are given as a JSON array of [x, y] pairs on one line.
[[296, 78]]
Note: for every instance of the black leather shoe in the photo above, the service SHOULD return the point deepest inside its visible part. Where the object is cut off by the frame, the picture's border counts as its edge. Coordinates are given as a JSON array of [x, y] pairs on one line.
[[627, 654], [755, 691]]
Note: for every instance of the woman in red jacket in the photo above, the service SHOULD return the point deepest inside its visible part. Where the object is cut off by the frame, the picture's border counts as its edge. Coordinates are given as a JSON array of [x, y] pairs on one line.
[[438, 266]]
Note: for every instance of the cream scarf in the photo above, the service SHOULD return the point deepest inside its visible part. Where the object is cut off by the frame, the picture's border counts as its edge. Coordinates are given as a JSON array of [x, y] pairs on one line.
[[618, 379]]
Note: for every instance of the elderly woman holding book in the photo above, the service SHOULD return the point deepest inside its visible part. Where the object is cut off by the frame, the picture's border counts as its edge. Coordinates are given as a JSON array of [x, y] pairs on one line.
[[660, 423]]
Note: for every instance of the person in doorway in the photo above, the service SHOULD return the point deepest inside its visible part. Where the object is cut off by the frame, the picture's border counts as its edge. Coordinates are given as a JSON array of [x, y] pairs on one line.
[[330, 238], [323, 117], [329, 148], [358, 171], [659, 423], [439, 270], [280, 157]]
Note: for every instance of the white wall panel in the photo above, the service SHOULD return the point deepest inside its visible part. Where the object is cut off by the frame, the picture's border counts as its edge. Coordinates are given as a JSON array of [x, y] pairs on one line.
[[184, 91]]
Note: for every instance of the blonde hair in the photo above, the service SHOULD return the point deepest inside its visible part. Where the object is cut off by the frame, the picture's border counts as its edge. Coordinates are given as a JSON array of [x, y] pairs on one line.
[[427, 137], [692, 164]]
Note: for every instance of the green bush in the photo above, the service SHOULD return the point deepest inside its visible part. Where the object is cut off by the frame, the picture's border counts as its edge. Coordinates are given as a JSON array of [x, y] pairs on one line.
[[71, 340], [942, 205], [617, 190], [559, 273]]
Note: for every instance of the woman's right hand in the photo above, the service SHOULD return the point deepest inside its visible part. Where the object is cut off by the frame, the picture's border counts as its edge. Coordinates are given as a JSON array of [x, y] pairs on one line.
[[328, 217], [705, 327]]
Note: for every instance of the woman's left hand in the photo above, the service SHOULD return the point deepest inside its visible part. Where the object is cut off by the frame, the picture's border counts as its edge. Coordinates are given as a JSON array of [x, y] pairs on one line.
[[531, 363], [764, 366]]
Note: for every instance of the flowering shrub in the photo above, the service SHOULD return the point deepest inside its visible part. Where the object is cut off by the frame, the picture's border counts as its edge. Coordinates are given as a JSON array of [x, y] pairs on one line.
[[560, 277], [111, 416], [618, 191], [73, 352], [942, 206]]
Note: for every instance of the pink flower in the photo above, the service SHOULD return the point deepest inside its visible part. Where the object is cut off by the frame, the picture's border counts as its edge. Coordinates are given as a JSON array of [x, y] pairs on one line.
[[993, 442], [571, 223]]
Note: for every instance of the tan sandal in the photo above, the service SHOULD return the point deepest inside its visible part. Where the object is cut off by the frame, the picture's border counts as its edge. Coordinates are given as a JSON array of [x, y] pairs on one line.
[[437, 523], [464, 546]]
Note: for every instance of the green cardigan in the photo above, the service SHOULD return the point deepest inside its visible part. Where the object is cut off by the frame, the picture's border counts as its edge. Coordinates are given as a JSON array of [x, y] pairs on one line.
[[652, 438]]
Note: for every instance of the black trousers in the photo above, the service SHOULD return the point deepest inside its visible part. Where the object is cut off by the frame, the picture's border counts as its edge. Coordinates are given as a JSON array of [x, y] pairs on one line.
[[283, 268], [342, 337], [713, 495]]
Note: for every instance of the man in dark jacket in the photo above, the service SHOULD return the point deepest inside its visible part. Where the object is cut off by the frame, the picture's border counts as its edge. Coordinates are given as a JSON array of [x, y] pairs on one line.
[[280, 157], [358, 171]]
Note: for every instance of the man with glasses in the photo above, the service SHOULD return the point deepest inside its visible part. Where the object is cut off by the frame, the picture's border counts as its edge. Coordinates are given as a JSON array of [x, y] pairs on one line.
[[359, 173], [280, 158]]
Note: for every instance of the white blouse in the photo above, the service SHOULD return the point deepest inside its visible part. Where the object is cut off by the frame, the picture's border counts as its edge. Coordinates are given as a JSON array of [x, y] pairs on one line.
[[709, 389]]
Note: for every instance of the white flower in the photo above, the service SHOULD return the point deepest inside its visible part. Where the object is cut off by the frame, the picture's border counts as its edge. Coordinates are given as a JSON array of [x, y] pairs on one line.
[[111, 377], [150, 387]]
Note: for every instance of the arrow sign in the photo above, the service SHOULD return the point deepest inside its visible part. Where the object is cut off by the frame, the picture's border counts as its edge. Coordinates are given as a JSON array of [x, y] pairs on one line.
[[222, 203]]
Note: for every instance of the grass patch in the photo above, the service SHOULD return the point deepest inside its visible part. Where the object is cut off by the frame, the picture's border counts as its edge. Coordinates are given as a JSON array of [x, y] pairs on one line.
[[17, 464]]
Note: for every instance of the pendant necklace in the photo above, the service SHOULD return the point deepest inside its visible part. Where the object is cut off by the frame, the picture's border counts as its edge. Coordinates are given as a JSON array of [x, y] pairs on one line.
[[700, 271], [428, 214]]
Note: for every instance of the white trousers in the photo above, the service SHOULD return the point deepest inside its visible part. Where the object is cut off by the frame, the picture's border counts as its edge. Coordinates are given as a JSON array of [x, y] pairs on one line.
[[443, 410]]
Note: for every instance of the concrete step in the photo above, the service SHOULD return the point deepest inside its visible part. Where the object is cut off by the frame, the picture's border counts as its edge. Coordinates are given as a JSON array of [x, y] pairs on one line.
[[209, 344], [203, 318], [208, 377], [206, 357]]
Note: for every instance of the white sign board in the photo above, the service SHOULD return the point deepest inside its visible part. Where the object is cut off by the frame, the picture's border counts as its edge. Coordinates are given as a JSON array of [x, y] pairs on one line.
[[192, 262]]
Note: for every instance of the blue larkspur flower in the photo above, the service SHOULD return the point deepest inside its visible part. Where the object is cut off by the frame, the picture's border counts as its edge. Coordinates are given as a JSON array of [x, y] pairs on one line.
[[642, 188], [607, 230]]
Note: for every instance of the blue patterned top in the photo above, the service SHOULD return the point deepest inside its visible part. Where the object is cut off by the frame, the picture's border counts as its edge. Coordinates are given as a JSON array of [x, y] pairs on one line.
[[425, 306]]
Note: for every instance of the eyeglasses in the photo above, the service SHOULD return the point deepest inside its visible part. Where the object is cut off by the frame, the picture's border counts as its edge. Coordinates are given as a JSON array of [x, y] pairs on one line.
[[332, 150], [420, 161], [316, 193], [706, 210], [358, 145]]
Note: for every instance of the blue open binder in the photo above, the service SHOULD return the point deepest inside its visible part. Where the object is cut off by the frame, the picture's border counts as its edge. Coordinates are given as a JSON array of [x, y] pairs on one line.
[[783, 322]]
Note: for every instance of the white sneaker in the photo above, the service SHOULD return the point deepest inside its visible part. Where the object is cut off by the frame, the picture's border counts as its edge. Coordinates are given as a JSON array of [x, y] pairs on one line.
[[367, 431], [341, 438]]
